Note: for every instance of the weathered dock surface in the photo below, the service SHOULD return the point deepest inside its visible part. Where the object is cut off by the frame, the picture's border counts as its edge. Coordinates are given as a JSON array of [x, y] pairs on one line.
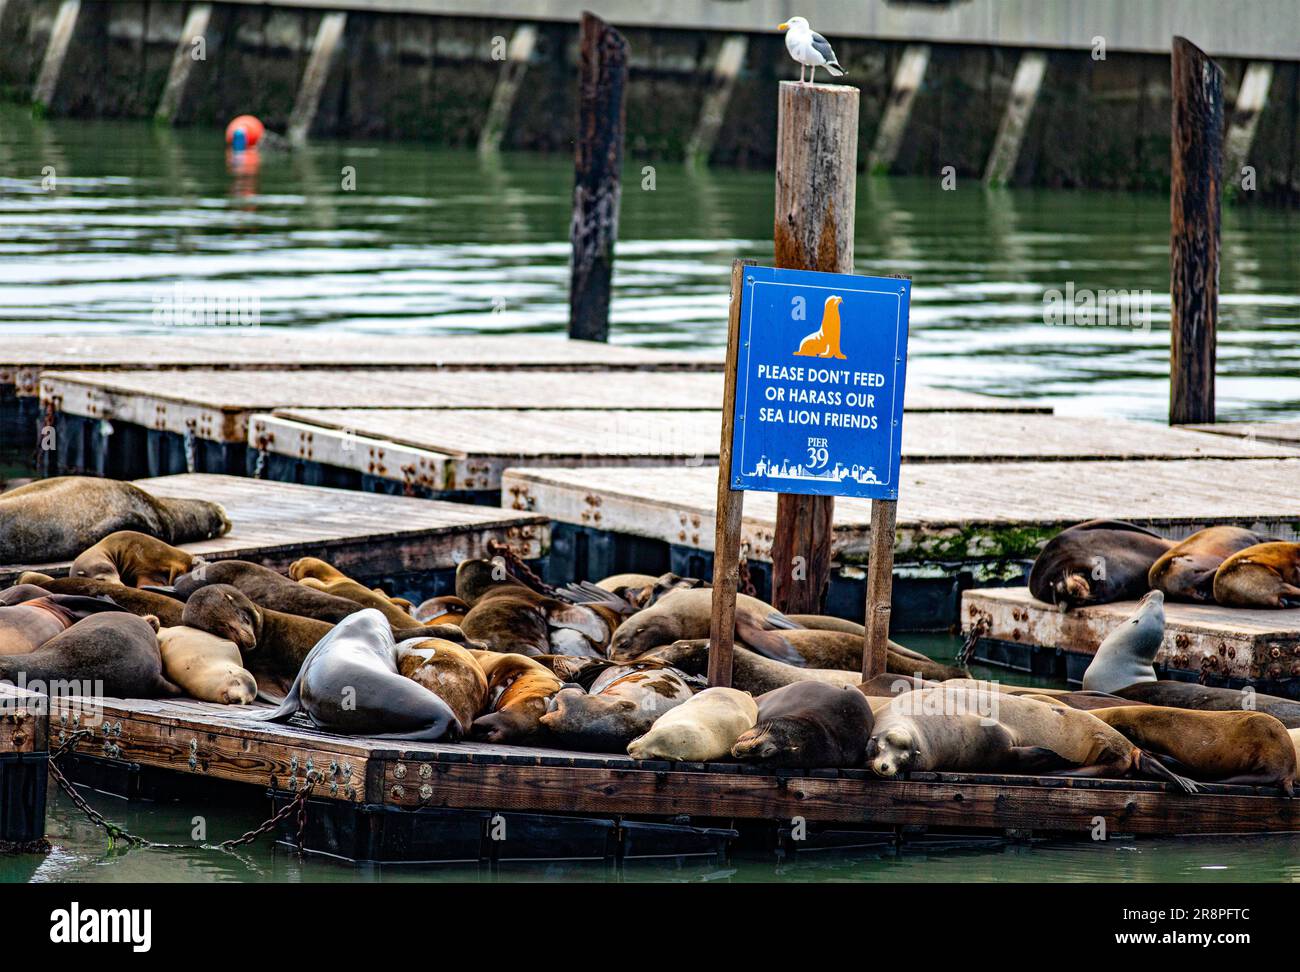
[[946, 511], [1281, 433], [1200, 639], [361, 533]]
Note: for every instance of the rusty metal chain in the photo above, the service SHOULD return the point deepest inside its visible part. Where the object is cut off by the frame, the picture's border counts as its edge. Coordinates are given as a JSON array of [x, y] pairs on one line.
[[977, 631], [745, 583], [516, 565], [298, 804]]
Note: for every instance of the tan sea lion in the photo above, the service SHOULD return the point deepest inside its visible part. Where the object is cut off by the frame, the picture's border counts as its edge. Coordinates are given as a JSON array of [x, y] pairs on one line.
[[1266, 575], [1095, 563], [207, 667], [1127, 655], [623, 703], [1247, 748], [972, 729], [1294, 735], [1186, 571], [30, 616], [34, 577], [520, 690], [843, 650], [446, 609], [687, 614], [700, 730], [449, 672], [56, 519], [134, 559], [113, 654], [808, 725], [322, 576], [1210, 698]]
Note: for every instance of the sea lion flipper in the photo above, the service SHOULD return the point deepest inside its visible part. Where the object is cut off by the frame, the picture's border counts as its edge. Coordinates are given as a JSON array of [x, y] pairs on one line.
[[1036, 759], [778, 620], [768, 643], [1145, 763], [165, 688]]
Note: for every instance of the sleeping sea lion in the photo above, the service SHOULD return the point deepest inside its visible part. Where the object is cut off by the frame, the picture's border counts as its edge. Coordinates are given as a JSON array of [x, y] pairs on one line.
[[1186, 571], [206, 666], [843, 650], [1266, 575], [114, 654], [349, 683], [1126, 656], [686, 614], [509, 616], [449, 672], [520, 690], [134, 559], [321, 576], [808, 725], [269, 589], [622, 703], [1209, 698], [1095, 563], [447, 609], [30, 616], [701, 729], [56, 519], [139, 602]]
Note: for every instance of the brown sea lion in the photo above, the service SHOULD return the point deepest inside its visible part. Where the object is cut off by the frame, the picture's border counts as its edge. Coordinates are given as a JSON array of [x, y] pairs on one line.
[[972, 729], [510, 616], [139, 602], [623, 703], [701, 729], [27, 624], [113, 654], [1247, 748], [520, 690], [446, 609], [1095, 563], [449, 672], [1266, 575], [1209, 698], [269, 589], [206, 666], [56, 519], [843, 650], [34, 577], [808, 725], [134, 559], [1186, 571], [687, 614], [1127, 655], [322, 576]]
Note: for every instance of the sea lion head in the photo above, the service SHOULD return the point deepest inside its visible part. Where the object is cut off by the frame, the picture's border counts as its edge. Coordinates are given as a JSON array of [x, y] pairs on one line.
[[765, 743], [474, 578], [1072, 589], [575, 713], [508, 725], [96, 567], [641, 632], [891, 752], [224, 611], [239, 688]]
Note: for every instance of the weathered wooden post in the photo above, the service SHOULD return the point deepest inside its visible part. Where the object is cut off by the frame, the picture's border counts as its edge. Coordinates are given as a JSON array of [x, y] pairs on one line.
[[1196, 187], [598, 158], [816, 186]]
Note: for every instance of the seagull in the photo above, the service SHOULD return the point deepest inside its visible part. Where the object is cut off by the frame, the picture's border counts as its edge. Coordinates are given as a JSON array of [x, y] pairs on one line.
[[809, 48]]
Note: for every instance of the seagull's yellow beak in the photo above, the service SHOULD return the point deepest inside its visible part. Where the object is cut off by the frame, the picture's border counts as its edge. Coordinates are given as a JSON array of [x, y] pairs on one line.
[[782, 26]]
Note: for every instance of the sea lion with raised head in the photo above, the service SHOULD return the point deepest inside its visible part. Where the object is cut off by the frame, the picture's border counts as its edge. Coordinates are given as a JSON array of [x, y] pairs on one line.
[[808, 725], [1095, 563], [520, 690], [686, 614], [112, 654], [1126, 656], [134, 559], [1266, 575], [622, 703], [1210, 698], [56, 519], [701, 729], [448, 671], [350, 683], [30, 616], [1186, 571], [207, 666]]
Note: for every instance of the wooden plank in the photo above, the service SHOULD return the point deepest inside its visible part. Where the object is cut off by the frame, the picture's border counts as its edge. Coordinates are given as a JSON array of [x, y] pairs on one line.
[[1279, 433], [23, 720], [365, 533], [1252, 97], [947, 512], [1225, 642], [509, 82]]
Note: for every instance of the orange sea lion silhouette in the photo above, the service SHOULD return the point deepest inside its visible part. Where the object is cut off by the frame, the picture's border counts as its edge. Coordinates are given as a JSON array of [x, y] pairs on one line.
[[825, 341]]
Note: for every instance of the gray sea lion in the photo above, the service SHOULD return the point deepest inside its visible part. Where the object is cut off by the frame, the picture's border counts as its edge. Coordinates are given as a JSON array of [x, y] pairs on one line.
[[350, 683], [520, 690], [1266, 575], [1209, 698], [1126, 655], [134, 559], [1186, 571], [972, 729], [114, 654], [56, 519], [687, 614], [623, 703], [808, 725], [1095, 563], [449, 672], [30, 616], [1246, 748], [208, 667], [701, 729]]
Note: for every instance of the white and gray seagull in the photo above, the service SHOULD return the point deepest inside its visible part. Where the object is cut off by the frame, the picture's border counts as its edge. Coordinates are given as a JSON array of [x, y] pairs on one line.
[[809, 48]]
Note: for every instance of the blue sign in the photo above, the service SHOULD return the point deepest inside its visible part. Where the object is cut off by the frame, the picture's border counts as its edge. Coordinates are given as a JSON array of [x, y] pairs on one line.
[[819, 383]]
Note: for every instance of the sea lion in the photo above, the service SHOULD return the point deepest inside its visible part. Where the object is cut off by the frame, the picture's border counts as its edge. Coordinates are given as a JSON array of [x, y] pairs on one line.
[[1294, 735], [1095, 563], [56, 519], [449, 672], [28, 624], [447, 609], [317, 574], [269, 589], [509, 616], [700, 730], [808, 725], [134, 559], [1208, 698], [1247, 748], [972, 729], [1266, 575], [624, 701], [139, 602], [685, 614], [520, 690], [843, 650], [350, 683], [34, 577], [1126, 655], [113, 654], [1186, 571], [206, 666]]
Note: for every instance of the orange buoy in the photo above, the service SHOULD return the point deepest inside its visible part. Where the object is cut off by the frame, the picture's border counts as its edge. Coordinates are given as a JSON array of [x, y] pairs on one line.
[[244, 132]]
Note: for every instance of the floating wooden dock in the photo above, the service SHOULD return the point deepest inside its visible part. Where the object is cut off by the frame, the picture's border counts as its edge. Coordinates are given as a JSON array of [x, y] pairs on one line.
[[410, 543], [1222, 645], [23, 769], [1278, 433]]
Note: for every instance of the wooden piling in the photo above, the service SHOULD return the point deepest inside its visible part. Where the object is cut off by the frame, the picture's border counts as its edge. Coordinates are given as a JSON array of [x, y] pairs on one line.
[[816, 185], [1252, 96], [1196, 187], [56, 51], [598, 159], [731, 58], [507, 88], [328, 35], [893, 124], [197, 22], [1020, 107]]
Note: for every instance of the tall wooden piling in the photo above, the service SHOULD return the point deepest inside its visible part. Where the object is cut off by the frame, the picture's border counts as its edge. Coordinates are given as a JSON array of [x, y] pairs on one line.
[[314, 76], [598, 159], [731, 58], [197, 22], [1197, 184], [816, 186], [56, 51], [518, 54]]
